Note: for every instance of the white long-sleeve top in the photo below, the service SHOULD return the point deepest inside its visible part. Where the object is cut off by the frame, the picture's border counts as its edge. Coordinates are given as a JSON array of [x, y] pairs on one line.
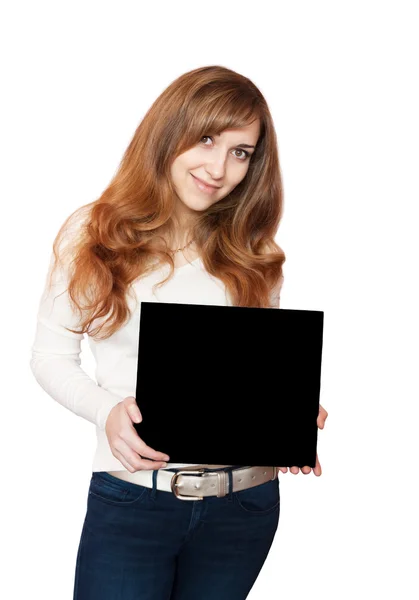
[[55, 359]]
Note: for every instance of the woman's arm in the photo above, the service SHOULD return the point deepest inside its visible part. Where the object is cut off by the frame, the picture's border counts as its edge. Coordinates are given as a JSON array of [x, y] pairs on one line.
[[55, 360]]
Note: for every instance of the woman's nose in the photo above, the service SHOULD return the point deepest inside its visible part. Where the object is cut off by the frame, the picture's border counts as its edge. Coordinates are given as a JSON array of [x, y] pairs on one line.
[[216, 167]]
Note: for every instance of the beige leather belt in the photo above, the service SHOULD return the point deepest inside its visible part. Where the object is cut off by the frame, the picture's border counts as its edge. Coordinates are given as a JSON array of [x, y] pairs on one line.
[[192, 483]]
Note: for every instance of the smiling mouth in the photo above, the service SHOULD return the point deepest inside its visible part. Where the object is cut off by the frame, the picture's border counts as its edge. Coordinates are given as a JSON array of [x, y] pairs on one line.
[[208, 185]]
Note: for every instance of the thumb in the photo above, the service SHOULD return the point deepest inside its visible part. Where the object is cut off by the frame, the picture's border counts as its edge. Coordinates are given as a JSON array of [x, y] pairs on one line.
[[133, 409]]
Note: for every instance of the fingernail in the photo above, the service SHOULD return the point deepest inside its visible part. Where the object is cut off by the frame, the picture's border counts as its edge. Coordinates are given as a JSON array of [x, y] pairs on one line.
[[164, 464]]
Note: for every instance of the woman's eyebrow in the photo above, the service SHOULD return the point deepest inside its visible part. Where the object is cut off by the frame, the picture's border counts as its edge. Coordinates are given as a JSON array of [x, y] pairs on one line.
[[238, 145]]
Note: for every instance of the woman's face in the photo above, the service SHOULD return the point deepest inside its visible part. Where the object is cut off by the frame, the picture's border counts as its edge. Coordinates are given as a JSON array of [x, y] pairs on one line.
[[221, 161]]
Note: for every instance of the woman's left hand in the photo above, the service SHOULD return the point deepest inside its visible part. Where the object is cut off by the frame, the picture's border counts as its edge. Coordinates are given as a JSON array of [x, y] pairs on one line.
[[321, 419]]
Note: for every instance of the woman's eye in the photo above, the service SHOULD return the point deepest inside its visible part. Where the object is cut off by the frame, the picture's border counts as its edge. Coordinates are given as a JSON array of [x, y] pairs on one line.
[[245, 155]]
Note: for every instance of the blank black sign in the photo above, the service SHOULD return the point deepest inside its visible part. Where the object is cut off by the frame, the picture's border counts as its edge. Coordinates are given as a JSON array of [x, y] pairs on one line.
[[230, 385]]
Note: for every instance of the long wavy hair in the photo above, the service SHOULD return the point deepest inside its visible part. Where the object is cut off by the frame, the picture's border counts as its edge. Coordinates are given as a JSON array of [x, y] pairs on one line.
[[108, 242]]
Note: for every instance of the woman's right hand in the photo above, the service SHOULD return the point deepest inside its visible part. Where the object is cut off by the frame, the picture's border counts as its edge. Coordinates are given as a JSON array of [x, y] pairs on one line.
[[124, 441]]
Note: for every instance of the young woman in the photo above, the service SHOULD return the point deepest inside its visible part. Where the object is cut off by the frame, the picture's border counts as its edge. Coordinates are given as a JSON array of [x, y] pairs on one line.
[[190, 216]]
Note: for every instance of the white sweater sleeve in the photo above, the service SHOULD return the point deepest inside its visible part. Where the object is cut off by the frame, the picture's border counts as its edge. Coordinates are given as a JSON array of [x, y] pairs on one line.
[[55, 360], [276, 293]]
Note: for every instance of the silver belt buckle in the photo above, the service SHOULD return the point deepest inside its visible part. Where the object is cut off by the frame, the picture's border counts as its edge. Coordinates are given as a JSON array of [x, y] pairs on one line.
[[174, 485]]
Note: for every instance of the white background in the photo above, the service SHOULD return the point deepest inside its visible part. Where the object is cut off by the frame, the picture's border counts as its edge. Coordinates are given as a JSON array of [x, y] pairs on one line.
[[341, 80]]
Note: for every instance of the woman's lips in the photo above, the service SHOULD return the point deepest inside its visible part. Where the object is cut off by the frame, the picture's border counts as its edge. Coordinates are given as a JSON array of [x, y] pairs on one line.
[[207, 189]]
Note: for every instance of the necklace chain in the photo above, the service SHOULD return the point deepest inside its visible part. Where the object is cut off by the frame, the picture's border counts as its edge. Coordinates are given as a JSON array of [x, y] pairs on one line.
[[180, 249]]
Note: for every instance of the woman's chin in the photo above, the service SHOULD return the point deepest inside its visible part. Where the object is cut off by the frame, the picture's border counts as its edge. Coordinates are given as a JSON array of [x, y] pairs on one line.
[[196, 204]]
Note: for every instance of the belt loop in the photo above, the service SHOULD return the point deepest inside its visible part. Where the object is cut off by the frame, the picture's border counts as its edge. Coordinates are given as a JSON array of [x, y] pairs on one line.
[[154, 490], [230, 485]]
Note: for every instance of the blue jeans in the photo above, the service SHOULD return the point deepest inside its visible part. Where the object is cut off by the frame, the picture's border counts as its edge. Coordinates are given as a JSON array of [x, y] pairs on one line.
[[141, 543]]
